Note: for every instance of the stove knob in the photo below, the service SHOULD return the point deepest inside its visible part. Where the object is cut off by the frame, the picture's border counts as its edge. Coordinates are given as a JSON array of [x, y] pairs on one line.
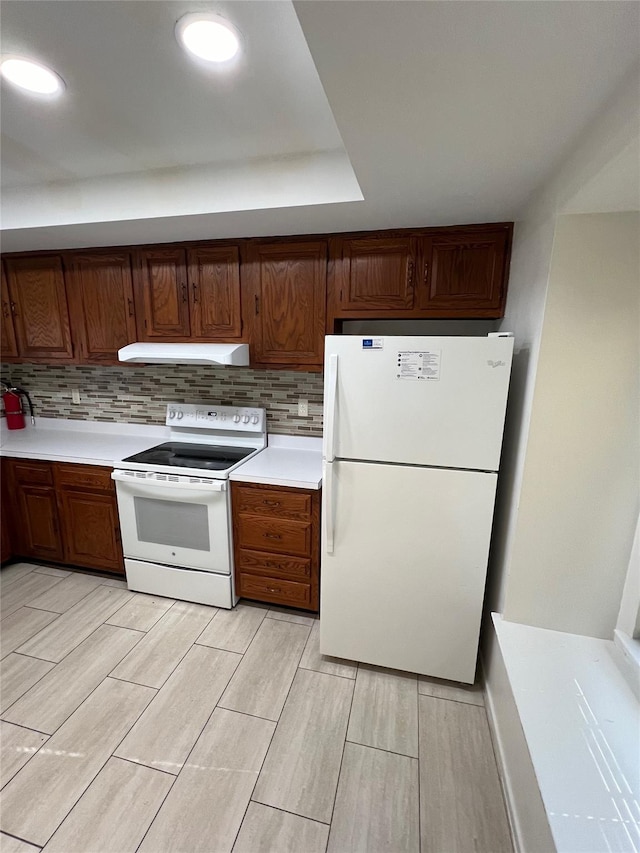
[[236, 419], [245, 419], [172, 413], [180, 415], [254, 419]]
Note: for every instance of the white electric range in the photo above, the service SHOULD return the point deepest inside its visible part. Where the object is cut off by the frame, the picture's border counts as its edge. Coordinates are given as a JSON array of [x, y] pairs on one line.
[[174, 503]]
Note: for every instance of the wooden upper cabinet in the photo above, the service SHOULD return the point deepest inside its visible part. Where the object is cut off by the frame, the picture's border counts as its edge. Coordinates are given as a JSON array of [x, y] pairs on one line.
[[8, 343], [102, 307], [375, 273], [284, 287], [214, 289], [162, 306], [41, 313], [464, 273], [280, 294], [189, 294], [432, 272]]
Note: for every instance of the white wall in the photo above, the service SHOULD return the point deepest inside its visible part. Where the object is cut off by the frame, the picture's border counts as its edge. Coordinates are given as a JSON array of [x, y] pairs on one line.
[[580, 494], [629, 615], [528, 278], [613, 132]]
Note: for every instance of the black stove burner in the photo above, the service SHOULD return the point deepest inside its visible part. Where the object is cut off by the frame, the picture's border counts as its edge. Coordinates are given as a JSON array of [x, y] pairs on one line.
[[180, 455]]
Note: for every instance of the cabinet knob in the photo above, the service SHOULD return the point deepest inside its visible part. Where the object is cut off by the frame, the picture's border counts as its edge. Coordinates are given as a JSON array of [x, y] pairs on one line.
[[426, 273], [184, 292], [194, 287], [272, 536]]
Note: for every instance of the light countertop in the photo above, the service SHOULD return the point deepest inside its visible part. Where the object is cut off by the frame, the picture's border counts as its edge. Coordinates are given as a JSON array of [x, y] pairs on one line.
[[287, 461], [86, 442]]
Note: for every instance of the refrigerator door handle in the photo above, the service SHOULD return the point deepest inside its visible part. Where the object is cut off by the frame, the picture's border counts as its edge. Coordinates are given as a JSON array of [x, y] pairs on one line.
[[330, 416], [327, 486]]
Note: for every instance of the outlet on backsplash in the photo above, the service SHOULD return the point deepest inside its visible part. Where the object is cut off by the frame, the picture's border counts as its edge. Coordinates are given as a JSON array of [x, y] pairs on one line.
[[75, 396], [303, 408]]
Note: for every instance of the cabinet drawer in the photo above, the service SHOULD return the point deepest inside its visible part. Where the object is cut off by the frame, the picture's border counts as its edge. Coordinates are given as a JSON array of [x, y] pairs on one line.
[[34, 473], [274, 590], [84, 476], [278, 535], [272, 502], [276, 565]]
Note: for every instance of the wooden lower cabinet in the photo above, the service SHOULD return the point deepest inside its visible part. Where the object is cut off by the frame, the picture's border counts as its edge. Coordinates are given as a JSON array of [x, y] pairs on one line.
[[64, 512], [34, 510], [89, 512], [276, 544], [6, 523]]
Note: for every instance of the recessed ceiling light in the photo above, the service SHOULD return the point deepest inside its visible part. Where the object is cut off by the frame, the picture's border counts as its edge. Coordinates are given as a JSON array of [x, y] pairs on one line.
[[208, 37], [31, 76]]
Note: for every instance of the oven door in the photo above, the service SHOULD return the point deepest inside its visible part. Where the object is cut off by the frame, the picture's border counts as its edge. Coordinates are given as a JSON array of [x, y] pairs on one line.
[[179, 522]]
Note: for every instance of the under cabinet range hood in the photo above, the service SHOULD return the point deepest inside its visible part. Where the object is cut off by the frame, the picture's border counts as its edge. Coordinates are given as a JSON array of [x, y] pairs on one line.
[[186, 353]]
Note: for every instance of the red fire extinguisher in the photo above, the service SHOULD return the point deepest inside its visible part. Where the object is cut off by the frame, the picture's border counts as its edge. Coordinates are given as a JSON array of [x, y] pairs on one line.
[[13, 409]]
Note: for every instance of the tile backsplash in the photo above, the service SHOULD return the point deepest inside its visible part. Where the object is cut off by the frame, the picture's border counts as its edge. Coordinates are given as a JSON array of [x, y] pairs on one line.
[[140, 394]]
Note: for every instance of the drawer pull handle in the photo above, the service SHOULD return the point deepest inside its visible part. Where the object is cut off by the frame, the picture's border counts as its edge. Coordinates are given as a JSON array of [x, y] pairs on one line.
[[271, 503], [272, 536], [273, 589]]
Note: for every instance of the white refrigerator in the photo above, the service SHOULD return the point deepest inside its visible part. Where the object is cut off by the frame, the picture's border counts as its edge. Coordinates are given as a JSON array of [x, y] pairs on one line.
[[411, 444]]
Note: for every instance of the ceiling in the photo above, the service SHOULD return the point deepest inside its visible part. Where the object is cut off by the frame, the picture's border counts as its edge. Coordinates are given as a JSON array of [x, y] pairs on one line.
[[342, 115]]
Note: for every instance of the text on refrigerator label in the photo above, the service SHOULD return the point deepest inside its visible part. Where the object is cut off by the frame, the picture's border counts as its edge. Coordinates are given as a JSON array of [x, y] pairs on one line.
[[423, 366]]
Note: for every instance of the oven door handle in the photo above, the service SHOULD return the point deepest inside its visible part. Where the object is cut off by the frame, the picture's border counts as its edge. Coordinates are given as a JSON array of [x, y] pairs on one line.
[[154, 486]]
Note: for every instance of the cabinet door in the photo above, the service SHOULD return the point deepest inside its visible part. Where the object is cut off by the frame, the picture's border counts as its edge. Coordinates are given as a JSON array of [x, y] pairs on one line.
[[376, 274], [162, 308], [37, 528], [41, 314], [288, 287], [102, 304], [91, 530], [8, 344], [6, 523], [214, 279], [464, 274]]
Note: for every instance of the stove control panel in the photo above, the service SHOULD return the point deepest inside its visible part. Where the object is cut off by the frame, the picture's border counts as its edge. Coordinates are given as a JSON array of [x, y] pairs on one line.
[[212, 417]]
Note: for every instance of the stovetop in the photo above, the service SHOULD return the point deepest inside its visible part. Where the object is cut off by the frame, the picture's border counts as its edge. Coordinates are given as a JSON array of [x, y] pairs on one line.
[[205, 440], [205, 457]]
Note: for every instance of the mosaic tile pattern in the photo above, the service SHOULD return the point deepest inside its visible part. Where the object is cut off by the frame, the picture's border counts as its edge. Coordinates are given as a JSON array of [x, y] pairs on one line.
[[140, 394]]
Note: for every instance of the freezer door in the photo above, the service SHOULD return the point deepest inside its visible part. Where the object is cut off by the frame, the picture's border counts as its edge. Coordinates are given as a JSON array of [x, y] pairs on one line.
[[404, 583], [437, 401]]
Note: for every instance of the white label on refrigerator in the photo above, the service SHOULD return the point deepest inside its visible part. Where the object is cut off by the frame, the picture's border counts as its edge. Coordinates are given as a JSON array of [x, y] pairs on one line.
[[423, 366], [372, 343]]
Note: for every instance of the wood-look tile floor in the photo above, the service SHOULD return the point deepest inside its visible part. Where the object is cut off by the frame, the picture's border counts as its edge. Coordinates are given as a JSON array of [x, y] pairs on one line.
[[130, 722]]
